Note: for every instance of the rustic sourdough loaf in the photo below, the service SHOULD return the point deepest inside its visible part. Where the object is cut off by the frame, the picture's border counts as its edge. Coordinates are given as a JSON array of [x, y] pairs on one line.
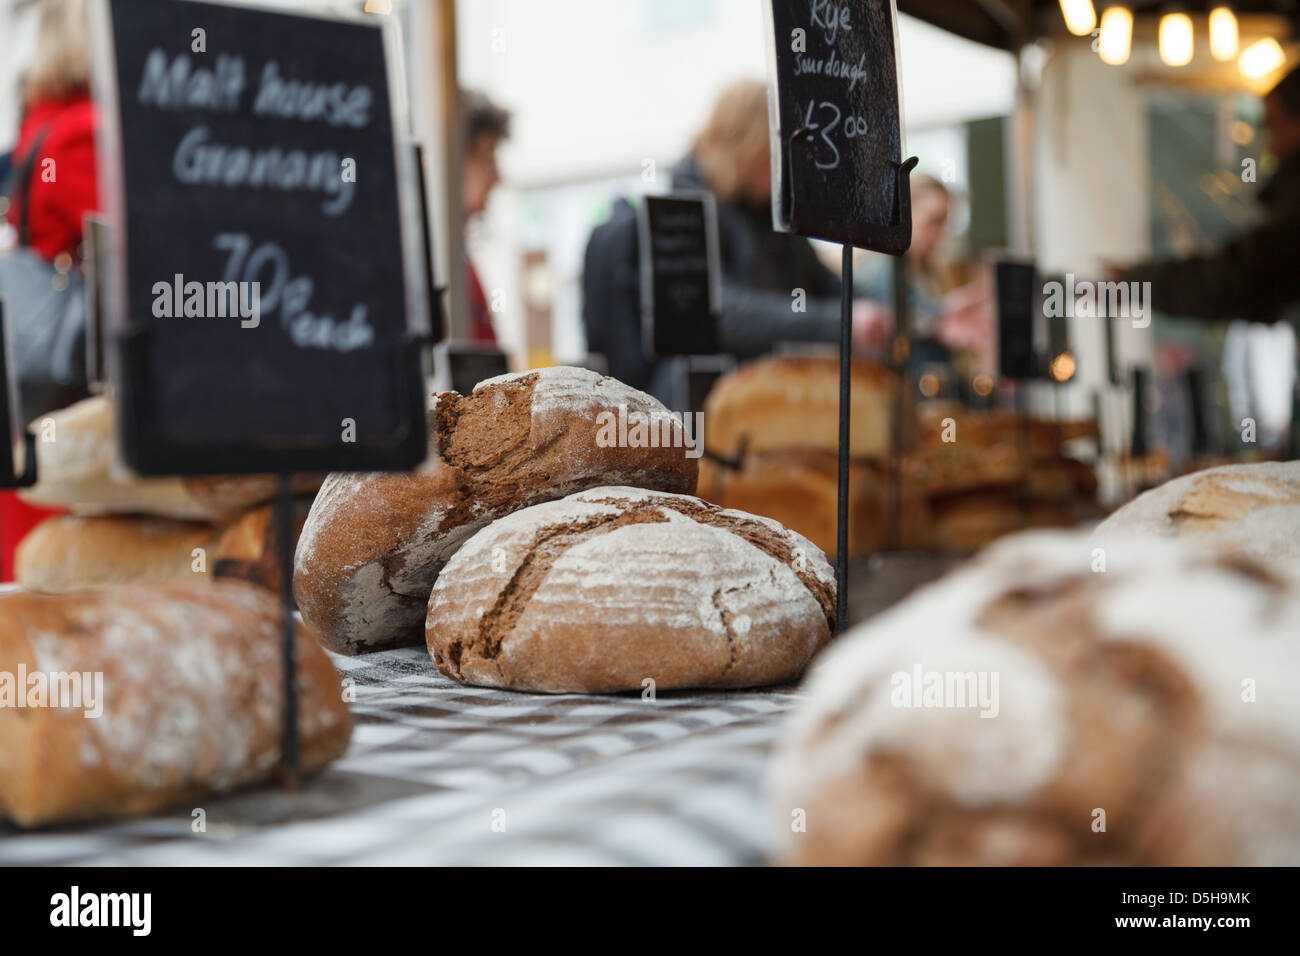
[[373, 544], [1250, 509], [70, 552], [1158, 690], [191, 699], [612, 587]]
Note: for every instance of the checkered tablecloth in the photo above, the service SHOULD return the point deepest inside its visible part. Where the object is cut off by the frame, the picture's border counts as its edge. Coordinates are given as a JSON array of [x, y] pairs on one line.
[[439, 773]]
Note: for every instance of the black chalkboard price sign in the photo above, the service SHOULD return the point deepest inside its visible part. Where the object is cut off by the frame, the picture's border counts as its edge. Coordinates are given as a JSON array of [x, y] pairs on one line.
[[265, 291], [838, 171], [680, 284], [835, 115]]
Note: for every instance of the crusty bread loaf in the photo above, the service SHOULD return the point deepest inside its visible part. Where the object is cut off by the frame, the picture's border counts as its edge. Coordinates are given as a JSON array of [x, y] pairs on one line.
[[800, 490], [69, 552], [793, 402], [612, 587], [190, 695], [231, 495], [250, 547], [373, 544], [78, 470], [1250, 509], [1140, 712], [76, 456]]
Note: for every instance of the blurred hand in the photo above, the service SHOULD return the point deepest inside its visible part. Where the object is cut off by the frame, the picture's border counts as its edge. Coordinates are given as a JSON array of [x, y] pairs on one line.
[[873, 324], [968, 320]]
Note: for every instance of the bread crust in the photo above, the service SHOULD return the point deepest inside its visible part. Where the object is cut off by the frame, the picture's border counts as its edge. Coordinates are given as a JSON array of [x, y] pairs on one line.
[[373, 544], [70, 552], [612, 587], [191, 699]]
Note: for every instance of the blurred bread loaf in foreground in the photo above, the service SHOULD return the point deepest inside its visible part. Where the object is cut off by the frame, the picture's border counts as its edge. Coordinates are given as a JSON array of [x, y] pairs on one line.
[[373, 544], [189, 701], [70, 552], [1038, 707], [1249, 509], [793, 402], [611, 587]]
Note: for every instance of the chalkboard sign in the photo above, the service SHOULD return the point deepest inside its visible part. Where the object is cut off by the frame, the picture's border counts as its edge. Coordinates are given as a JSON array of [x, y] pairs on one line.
[[17, 449], [467, 365], [265, 294], [680, 291], [1017, 303], [837, 147]]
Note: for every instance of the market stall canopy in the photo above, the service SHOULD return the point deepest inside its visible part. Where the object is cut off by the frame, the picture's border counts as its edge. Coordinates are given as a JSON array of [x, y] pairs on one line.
[[1007, 24]]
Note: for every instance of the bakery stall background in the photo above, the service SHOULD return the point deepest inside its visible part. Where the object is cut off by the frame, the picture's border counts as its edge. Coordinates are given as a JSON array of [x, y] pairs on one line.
[[557, 649]]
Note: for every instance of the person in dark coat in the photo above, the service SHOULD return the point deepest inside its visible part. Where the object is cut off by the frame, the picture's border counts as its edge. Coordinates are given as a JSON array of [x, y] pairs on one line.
[[774, 287], [1257, 275]]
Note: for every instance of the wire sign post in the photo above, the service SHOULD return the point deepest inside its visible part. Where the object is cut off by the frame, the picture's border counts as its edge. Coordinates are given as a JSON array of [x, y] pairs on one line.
[[838, 171]]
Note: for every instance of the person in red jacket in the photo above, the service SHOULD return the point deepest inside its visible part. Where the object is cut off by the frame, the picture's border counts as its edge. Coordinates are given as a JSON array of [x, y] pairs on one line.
[[59, 123]]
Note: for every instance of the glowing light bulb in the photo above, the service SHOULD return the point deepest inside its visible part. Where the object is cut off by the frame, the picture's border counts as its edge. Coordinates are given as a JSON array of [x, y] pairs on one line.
[[1080, 17], [1260, 59], [1224, 38], [1116, 40], [1176, 39]]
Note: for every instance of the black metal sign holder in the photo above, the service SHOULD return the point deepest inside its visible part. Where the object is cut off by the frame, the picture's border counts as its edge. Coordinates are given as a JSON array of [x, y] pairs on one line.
[[893, 238]]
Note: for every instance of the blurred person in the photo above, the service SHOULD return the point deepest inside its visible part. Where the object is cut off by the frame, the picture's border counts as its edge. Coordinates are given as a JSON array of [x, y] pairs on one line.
[[1255, 276], [761, 268], [52, 186], [486, 127], [946, 313]]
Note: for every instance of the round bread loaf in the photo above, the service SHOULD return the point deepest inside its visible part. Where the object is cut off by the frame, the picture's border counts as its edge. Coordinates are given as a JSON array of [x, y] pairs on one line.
[[69, 552], [793, 402], [373, 544], [176, 691], [612, 587], [1250, 509], [1056, 703]]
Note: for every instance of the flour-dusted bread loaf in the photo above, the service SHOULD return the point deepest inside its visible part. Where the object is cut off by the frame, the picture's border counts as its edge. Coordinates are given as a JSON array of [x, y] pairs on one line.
[[76, 454], [70, 552], [786, 402], [1040, 706], [800, 489], [189, 701], [1250, 509], [611, 587], [373, 544]]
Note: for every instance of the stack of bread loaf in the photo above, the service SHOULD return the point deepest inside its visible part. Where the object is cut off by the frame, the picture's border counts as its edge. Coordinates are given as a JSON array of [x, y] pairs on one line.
[[545, 547], [772, 438], [122, 528]]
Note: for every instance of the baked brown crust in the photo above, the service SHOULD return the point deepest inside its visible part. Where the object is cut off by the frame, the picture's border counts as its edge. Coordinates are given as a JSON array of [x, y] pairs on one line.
[[611, 587], [229, 496], [249, 549], [68, 552], [780, 403], [191, 699], [800, 490], [373, 544]]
